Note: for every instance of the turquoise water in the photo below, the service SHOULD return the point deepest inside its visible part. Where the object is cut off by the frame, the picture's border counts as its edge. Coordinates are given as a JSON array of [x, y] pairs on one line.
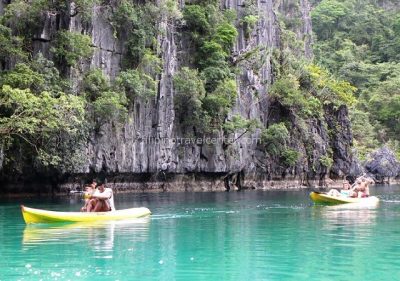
[[251, 235]]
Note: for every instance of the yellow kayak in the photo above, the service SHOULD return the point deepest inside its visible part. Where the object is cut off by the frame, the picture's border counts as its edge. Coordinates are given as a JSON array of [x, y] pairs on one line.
[[323, 198], [32, 215]]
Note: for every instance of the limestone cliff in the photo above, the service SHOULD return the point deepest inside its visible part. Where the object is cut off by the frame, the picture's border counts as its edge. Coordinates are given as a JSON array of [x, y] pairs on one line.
[[144, 152]]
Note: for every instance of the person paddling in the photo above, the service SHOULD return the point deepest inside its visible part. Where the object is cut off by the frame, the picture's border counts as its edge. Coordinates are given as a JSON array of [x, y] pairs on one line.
[[102, 200], [361, 188], [89, 190]]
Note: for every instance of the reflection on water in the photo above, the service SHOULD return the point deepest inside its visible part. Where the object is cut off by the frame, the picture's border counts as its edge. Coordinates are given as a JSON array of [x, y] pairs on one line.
[[347, 214], [350, 216], [99, 236]]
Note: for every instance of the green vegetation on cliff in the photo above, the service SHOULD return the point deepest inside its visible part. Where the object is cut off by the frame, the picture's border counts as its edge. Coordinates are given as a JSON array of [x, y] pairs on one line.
[[359, 41], [45, 120], [50, 105], [38, 117], [212, 34]]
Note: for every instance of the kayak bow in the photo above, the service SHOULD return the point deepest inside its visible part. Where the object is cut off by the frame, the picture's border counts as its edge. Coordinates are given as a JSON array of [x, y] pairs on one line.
[[323, 198], [32, 215]]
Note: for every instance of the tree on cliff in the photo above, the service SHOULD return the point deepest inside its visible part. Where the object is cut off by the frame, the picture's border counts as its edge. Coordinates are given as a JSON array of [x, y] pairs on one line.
[[38, 121], [42, 122], [359, 42]]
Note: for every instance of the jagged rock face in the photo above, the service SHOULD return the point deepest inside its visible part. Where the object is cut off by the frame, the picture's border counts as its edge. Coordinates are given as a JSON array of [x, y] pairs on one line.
[[128, 149], [149, 142], [341, 137], [382, 164]]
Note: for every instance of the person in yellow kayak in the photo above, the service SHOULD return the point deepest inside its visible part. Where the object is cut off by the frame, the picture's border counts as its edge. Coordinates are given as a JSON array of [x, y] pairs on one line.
[[89, 190], [102, 200], [344, 192]]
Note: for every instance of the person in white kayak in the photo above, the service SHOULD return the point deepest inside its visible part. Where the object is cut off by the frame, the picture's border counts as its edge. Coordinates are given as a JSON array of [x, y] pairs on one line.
[[344, 192], [102, 200], [360, 189]]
